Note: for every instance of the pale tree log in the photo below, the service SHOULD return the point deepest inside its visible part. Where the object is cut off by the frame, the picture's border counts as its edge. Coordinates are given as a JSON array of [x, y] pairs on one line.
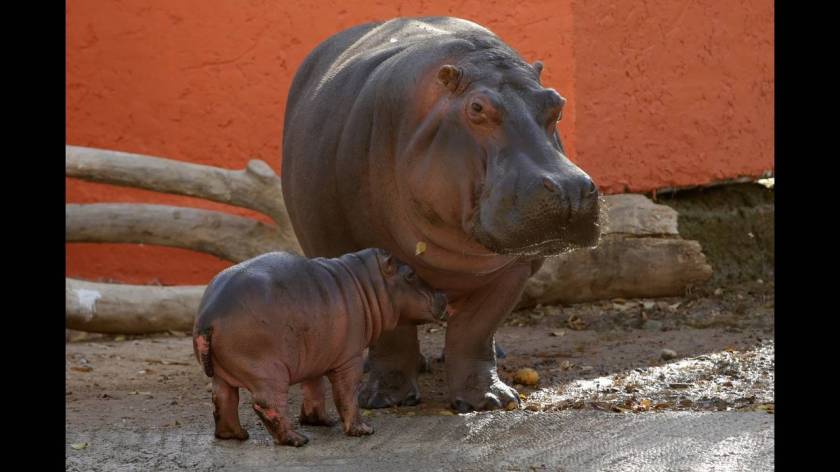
[[619, 268], [640, 255], [227, 236], [130, 309], [256, 187], [636, 215]]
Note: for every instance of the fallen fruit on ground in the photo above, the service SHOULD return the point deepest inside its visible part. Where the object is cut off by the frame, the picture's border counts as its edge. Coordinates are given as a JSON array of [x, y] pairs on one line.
[[526, 376]]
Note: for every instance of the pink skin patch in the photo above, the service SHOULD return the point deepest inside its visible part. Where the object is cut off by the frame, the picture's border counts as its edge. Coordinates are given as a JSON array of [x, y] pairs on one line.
[[269, 413], [202, 345]]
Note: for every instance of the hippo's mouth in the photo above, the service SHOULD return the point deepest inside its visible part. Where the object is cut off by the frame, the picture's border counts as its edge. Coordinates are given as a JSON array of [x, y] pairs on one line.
[[550, 247]]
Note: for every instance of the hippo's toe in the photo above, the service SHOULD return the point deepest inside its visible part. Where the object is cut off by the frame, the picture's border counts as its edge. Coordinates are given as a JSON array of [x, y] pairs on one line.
[[391, 388], [241, 435], [293, 438], [497, 396], [360, 429]]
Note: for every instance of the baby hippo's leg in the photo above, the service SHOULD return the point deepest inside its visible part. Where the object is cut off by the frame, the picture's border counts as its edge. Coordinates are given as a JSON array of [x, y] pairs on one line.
[[313, 410], [271, 404], [226, 410], [345, 386]]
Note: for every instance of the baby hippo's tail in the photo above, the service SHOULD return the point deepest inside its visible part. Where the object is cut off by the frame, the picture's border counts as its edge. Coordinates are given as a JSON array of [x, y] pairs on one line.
[[201, 346]]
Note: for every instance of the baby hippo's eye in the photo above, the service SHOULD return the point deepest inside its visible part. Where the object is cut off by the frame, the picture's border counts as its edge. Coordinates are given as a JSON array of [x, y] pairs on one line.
[[477, 107], [410, 277]]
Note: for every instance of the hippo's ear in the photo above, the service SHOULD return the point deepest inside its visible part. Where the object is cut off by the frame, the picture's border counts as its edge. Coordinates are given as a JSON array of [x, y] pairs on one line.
[[449, 76], [538, 66], [389, 265]]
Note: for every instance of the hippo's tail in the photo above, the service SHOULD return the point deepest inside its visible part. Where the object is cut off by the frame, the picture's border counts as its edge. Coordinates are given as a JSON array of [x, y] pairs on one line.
[[201, 345]]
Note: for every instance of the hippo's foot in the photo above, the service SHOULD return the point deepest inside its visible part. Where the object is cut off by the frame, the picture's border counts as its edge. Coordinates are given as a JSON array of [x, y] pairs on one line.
[[226, 434], [359, 428], [475, 385], [316, 419], [389, 388], [291, 438]]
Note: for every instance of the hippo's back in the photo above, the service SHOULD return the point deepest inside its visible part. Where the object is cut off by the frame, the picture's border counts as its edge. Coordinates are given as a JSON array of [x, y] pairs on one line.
[[332, 99], [251, 282]]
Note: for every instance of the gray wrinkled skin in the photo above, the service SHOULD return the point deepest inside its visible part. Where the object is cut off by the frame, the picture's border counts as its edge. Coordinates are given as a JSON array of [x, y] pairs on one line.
[[433, 130]]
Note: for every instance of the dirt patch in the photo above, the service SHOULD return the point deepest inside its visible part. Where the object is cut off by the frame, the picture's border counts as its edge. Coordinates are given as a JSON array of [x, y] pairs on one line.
[[735, 226], [155, 381]]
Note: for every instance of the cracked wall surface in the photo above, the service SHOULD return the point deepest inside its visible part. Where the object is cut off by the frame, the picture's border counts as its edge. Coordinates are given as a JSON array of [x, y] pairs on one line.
[[658, 94]]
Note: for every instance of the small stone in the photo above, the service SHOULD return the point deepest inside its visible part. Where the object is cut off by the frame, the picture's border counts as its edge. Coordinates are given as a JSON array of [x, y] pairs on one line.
[[668, 354]]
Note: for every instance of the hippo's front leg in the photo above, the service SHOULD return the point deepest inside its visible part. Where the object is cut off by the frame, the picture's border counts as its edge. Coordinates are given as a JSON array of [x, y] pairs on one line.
[[393, 363], [470, 354]]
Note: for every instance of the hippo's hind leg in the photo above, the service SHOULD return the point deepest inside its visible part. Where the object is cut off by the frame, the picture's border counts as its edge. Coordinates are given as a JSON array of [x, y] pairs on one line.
[[226, 410], [393, 364], [271, 405], [345, 386], [313, 410]]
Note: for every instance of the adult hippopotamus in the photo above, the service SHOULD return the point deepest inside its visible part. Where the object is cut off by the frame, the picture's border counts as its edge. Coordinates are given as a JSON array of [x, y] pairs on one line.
[[433, 139]]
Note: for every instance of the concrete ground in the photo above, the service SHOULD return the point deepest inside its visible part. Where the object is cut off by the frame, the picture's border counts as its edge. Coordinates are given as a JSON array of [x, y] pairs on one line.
[[520, 440], [668, 384]]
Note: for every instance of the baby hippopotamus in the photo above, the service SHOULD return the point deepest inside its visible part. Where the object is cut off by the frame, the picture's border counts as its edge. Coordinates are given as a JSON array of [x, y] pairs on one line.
[[281, 319]]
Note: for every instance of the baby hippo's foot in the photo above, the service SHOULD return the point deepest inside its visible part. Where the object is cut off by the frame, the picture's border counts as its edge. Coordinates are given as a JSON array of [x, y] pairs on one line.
[[241, 434], [278, 425], [316, 418], [359, 428], [291, 438]]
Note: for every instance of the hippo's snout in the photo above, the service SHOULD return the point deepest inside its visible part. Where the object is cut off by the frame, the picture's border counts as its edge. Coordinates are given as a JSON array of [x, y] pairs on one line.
[[440, 303], [576, 195], [553, 213]]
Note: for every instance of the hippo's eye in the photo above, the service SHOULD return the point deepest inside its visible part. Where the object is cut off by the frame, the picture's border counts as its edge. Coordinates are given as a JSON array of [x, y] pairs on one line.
[[410, 277], [476, 107]]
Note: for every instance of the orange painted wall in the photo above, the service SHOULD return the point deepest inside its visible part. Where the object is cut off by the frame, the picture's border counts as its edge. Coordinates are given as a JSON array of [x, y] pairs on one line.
[[672, 94], [649, 106]]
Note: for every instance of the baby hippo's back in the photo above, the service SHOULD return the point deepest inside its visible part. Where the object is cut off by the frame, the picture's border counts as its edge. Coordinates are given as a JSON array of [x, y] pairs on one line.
[[276, 311]]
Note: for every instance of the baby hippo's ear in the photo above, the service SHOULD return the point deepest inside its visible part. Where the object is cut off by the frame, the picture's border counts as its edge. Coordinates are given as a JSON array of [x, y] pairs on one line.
[[389, 265]]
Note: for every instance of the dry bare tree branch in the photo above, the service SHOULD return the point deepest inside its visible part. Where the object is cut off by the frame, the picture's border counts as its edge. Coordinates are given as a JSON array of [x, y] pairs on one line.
[[227, 236], [256, 187]]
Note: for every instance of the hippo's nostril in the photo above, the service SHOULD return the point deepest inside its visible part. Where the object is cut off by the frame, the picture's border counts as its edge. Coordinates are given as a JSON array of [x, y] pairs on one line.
[[592, 188]]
